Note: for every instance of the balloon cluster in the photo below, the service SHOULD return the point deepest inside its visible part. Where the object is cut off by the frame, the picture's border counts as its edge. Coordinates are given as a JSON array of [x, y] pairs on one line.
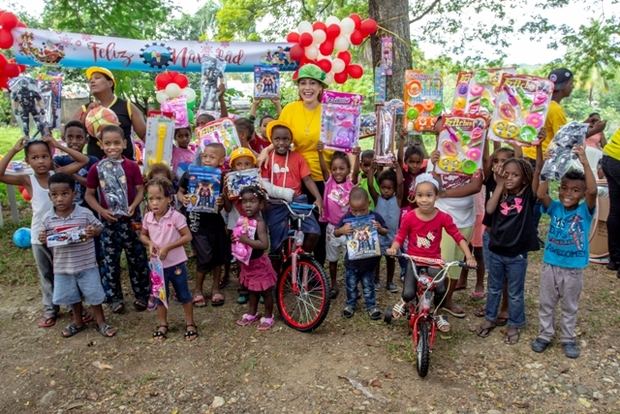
[[170, 85], [8, 67], [326, 44]]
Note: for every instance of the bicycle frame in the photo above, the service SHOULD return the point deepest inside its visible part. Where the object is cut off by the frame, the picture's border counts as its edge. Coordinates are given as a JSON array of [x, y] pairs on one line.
[[296, 241]]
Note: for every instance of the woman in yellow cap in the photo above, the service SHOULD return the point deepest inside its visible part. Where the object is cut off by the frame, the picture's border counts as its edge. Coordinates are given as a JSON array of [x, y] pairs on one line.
[[101, 82], [611, 167]]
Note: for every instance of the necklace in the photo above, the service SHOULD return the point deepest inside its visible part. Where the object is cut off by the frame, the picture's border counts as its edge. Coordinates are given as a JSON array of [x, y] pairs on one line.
[[308, 124]]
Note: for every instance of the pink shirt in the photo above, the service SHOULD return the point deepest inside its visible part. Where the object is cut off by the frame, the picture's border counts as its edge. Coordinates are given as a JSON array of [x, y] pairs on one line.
[[425, 236], [166, 231], [182, 156], [336, 200]]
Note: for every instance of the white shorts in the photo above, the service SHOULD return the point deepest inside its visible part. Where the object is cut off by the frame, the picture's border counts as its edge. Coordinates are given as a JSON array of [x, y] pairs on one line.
[[334, 246]]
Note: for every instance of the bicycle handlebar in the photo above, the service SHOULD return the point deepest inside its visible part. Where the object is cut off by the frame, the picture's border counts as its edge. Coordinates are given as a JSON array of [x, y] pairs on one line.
[[434, 262], [309, 208]]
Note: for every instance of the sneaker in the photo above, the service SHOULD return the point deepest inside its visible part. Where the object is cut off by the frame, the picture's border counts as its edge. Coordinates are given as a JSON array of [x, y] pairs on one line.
[[392, 288], [348, 311], [539, 345], [571, 350], [375, 313], [612, 266]]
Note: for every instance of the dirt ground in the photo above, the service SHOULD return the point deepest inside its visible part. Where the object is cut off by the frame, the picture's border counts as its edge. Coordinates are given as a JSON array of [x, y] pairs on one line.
[[229, 369]]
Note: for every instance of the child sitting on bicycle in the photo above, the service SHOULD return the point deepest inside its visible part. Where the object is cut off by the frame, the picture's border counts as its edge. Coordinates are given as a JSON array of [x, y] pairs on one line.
[[422, 227]]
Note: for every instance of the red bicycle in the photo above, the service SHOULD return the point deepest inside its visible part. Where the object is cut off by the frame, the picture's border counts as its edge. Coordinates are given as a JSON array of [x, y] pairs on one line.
[[302, 290], [421, 309]]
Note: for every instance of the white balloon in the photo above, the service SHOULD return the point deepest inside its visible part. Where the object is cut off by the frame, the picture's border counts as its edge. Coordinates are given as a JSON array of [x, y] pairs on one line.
[[338, 65], [312, 52], [319, 36], [190, 94], [331, 20], [304, 27], [173, 90], [347, 26], [161, 97], [341, 43], [329, 78]]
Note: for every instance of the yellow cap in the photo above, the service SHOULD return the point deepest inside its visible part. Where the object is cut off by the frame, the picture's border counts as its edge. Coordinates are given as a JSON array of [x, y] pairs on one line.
[[275, 123], [242, 152], [98, 69]]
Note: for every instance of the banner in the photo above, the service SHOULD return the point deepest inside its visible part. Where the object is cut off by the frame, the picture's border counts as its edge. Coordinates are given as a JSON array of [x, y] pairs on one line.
[[35, 47]]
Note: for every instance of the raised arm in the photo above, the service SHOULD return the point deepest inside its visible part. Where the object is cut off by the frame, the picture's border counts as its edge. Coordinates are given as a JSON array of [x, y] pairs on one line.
[[324, 167], [537, 169], [4, 163], [591, 187], [80, 159], [400, 179], [372, 178]]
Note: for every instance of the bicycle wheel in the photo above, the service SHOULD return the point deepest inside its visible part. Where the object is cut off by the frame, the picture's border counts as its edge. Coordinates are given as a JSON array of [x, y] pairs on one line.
[[303, 309], [423, 357]]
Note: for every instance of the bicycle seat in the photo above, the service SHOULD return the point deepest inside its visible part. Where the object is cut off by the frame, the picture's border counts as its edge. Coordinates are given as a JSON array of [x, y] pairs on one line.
[[301, 206]]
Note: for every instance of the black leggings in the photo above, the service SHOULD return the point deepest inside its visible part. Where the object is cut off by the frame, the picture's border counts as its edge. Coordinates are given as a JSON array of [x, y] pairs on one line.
[[319, 249], [411, 283]]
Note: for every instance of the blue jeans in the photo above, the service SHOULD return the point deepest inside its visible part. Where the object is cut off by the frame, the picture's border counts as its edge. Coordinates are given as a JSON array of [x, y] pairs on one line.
[[512, 270], [365, 275]]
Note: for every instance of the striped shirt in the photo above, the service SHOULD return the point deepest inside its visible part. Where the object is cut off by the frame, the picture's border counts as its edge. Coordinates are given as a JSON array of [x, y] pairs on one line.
[[72, 258]]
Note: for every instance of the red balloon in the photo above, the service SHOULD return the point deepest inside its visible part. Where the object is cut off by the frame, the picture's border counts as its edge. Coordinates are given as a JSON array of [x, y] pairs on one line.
[[345, 55], [3, 62], [369, 26], [292, 37], [4, 82], [11, 70], [180, 80], [305, 39], [355, 71], [6, 39], [357, 38], [160, 82], [319, 26], [333, 30], [325, 65], [357, 19], [8, 21], [22, 68], [327, 47], [21, 24], [25, 194], [340, 77], [296, 53]]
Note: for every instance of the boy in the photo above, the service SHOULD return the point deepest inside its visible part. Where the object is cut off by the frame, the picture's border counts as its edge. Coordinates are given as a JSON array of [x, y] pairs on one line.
[[566, 254], [367, 166], [362, 270], [75, 264], [121, 189]]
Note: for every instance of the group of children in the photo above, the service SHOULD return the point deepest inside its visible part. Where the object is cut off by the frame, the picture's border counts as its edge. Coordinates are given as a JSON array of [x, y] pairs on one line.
[[412, 210]]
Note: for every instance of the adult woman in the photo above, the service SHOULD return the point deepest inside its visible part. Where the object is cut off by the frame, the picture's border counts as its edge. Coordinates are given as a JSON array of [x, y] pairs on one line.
[[611, 167], [101, 82]]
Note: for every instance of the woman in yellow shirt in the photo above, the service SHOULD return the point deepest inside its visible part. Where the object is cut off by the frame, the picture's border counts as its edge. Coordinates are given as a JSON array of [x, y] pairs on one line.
[[611, 167]]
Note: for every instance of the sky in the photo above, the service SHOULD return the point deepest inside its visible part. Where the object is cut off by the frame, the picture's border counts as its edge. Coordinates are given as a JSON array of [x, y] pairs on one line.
[[521, 51]]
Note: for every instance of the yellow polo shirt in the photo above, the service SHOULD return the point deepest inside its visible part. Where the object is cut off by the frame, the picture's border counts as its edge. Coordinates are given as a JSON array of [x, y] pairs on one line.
[[556, 119], [612, 148]]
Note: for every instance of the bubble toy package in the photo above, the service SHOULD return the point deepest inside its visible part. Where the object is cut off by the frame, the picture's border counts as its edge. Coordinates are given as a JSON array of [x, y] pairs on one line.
[[340, 120], [461, 144], [159, 138], [476, 92], [178, 107], [561, 157], [66, 234], [113, 184], [423, 100], [266, 82]]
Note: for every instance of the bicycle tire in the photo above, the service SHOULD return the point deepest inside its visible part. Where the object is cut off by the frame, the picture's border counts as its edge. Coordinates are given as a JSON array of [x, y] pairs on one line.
[[306, 311], [422, 348]]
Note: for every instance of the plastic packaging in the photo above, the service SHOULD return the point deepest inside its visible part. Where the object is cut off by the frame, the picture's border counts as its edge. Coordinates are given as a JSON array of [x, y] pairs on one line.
[[212, 77], [423, 98], [561, 157], [158, 282], [241, 251], [461, 144], [26, 102], [221, 131], [238, 180], [113, 184], [204, 188], [364, 241], [159, 139], [266, 82], [340, 120], [385, 145]]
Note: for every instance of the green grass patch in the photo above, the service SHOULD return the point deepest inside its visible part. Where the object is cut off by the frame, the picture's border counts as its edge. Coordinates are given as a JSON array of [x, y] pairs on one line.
[[17, 265]]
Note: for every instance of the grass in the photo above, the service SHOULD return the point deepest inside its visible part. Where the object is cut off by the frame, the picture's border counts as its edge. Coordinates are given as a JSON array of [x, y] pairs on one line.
[[16, 265]]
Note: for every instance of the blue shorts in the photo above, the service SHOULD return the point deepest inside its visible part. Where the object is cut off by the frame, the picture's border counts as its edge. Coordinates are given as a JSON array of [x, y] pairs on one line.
[[276, 216], [177, 276], [71, 289]]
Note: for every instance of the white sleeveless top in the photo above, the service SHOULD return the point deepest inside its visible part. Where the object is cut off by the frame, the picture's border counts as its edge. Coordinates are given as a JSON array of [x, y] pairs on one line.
[[41, 206]]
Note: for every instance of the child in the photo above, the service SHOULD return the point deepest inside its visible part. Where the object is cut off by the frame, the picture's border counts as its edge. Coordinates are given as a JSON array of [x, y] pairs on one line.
[[412, 164], [76, 275], [288, 169], [512, 235], [362, 270], [366, 166], [118, 178], [209, 238], [182, 154], [258, 277], [387, 205], [423, 228], [203, 118], [38, 154], [338, 186], [245, 131], [75, 136], [259, 140], [566, 254], [164, 233]]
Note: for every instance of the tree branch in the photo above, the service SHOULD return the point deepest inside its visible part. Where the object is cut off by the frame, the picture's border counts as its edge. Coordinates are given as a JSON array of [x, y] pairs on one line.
[[425, 12]]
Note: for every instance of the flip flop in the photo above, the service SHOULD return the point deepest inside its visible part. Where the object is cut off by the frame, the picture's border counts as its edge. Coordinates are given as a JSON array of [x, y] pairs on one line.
[[480, 312], [47, 322], [266, 324], [484, 332], [191, 332], [199, 301], [512, 339], [475, 295], [217, 299]]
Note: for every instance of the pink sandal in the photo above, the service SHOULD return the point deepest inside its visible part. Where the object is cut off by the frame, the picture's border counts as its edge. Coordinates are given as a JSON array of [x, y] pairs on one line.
[[247, 319], [266, 324]]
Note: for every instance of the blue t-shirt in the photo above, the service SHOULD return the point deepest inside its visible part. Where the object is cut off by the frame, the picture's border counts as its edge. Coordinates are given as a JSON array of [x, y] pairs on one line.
[[80, 190], [567, 242]]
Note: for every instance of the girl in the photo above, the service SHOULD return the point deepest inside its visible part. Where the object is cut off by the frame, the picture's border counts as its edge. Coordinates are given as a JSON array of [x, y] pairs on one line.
[[182, 153], [38, 155], [338, 186], [259, 139], [412, 164], [512, 235], [387, 205], [258, 276]]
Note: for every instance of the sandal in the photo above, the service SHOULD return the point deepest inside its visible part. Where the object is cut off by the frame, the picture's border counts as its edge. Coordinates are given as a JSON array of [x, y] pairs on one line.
[[106, 330], [512, 338], [247, 319], [199, 301], [266, 324], [161, 334], [480, 312], [485, 331], [191, 332], [442, 324], [139, 305], [476, 295], [72, 329], [217, 299], [47, 322]]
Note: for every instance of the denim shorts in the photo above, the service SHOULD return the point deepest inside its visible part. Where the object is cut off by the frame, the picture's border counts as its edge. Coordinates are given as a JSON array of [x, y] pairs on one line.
[[177, 276], [71, 289], [276, 217]]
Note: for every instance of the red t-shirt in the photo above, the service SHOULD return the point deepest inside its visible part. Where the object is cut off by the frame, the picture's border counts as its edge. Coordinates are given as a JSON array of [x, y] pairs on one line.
[[425, 236], [258, 143], [132, 173], [287, 173]]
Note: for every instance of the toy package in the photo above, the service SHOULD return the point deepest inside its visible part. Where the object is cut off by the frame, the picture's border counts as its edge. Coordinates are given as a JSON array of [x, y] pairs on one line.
[[203, 188], [266, 82], [368, 125], [387, 56], [212, 77], [478, 93], [561, 157], [63, 235], [159, 138], [222, 131], [385, 144], [380, 88], [459, 104], [177, 107], [423, 100], [241, 251], [340, 120], [520, 109], [364, 241], [238, 180], [158, 283], [461, 144], [50, 85], [26, 101], [113, 184]]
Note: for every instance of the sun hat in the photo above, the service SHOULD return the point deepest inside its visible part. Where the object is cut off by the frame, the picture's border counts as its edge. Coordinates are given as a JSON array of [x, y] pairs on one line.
[[310, 71]]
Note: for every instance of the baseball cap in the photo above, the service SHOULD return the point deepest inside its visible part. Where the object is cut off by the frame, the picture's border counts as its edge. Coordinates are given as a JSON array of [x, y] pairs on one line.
[[560, 77], [98, 69], [310, 71], [241, 152]]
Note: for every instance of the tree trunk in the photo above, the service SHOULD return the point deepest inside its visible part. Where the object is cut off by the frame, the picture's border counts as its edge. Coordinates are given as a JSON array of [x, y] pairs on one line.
[[393, 15]]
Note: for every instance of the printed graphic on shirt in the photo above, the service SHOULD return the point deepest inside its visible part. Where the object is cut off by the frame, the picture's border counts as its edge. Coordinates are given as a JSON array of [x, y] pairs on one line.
[[506, 207], [425, 242]]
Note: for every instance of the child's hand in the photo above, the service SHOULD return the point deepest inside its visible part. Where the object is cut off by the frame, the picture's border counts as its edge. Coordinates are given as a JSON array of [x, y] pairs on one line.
[[580, 151], [346, 229], [376, 224], [542, 134], [19, 145], [244, 239], [219, 201], [43, 236], [435, 157], [276, 101], [471, 262], [108, 216], [163, 252], [390, 251], [48, 139], [320, 146], [500, 175], [131, 210], [319, 205], [90, 231], [153, 250], [221, 89]]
